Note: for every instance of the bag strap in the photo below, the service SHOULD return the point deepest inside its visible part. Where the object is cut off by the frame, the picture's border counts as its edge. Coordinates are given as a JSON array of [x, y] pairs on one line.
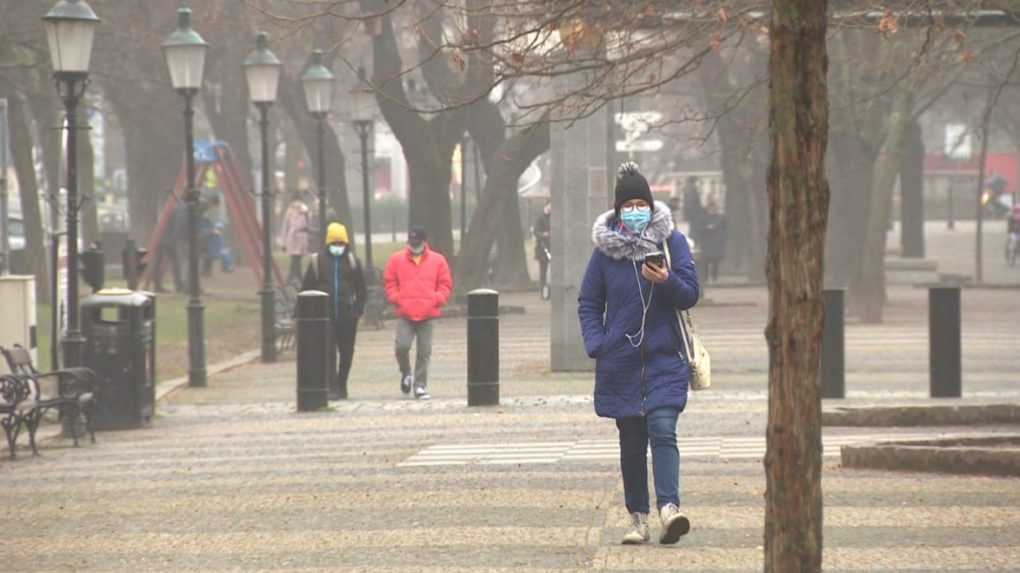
[[683, 318]]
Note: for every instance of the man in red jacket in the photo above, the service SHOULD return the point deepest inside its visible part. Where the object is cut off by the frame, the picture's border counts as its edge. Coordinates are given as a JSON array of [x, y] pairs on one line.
[[418, 284]]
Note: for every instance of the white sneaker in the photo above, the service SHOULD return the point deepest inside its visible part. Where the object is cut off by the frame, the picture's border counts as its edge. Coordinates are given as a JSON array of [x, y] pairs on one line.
[[405, 384], [674, 524], [638, 533], [421, 393]]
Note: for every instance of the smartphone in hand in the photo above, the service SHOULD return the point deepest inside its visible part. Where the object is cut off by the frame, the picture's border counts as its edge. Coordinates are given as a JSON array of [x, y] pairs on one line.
[[655, 259]]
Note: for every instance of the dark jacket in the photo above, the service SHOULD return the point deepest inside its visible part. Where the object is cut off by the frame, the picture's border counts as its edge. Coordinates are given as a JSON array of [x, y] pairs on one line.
[[693, 210], [542, 234], [346, 297], [629, 380], [712, 243]]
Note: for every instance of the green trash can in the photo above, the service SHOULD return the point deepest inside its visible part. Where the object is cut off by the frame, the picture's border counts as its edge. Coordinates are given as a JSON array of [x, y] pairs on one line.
[[120, 345]]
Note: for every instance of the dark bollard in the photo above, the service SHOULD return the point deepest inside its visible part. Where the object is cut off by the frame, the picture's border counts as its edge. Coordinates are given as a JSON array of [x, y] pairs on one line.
[[944, 342], [483, 348], [833, 346], [312, 355]]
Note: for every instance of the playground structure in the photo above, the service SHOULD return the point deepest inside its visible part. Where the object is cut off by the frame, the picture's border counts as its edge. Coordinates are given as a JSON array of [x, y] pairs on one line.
[[244, 225]]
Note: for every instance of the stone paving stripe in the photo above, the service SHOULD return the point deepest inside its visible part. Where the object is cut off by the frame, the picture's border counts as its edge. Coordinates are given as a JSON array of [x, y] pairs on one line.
[[934, 489], [311, 540], [734, 517], [690, 557], [200, 458], [725, 448], [392, 499]]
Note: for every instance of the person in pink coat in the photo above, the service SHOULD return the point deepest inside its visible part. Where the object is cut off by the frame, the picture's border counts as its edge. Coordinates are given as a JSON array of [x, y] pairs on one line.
[[418, 285], [293, 237]]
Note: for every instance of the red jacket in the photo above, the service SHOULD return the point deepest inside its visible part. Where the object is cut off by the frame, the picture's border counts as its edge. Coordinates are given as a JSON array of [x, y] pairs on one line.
[[418, 290]]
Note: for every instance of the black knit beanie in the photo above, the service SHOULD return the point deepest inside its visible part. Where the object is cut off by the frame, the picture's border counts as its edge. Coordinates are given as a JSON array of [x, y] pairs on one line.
[[630, 184]]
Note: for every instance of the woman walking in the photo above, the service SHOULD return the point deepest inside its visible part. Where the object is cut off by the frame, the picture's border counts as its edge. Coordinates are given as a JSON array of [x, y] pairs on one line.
[[294, 236], [626, 308]]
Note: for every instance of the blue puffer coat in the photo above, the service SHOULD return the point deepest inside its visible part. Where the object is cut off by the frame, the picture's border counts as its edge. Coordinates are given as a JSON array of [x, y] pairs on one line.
[[634, 376]]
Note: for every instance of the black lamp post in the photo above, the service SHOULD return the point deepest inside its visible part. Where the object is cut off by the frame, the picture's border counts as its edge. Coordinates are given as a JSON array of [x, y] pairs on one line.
[[262, 70], [318, 85], [362, 100], [185, 57], [70, 29]]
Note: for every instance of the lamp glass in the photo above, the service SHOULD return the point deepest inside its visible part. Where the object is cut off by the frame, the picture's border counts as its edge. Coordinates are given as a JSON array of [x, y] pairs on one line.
[[70, 43], [263, 81], [186, 64], [318, 94]]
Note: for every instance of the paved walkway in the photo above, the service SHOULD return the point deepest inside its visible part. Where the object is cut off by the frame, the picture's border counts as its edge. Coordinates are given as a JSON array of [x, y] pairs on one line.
[[231, 478], [213, 488]]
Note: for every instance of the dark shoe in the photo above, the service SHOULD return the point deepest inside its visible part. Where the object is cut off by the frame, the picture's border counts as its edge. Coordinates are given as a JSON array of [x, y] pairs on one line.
[[405, 384]]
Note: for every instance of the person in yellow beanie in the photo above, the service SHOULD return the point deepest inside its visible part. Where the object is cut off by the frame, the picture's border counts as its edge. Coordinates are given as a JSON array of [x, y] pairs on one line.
[[337, 271]]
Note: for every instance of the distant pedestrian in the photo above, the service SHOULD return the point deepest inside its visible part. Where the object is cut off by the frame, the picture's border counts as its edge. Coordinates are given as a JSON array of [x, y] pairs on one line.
[[418, 284], [543, 232], [218, 249], [713, 241], [693, 210], [626, 307], [175, 233], [293, 237], [337, 271]]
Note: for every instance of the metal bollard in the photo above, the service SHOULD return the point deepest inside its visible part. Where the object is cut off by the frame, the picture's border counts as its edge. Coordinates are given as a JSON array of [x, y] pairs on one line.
[[483, 348], [944, 342], [312, 355], [833, 370]]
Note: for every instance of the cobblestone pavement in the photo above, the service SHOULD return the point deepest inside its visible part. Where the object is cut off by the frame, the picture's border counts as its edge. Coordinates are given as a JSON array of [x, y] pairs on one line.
[[258, 487], [230, 478]]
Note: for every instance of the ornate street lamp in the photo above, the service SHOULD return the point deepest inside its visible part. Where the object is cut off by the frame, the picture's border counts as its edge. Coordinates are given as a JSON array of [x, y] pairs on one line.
[[317, 81], [70, 29], [262, 69], [185, 58], [362, 101]]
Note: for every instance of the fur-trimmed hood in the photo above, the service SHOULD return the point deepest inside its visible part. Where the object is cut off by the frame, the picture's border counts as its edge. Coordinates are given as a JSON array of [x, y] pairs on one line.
[[619, 244]]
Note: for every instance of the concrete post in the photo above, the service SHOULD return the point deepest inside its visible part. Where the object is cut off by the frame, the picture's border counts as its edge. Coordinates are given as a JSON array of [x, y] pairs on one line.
[[944, 342], [833, 369], [312, 356], [483, 348]]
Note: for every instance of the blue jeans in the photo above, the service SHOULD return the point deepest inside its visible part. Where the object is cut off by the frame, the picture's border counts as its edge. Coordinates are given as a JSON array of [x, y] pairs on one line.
[[659, 427]]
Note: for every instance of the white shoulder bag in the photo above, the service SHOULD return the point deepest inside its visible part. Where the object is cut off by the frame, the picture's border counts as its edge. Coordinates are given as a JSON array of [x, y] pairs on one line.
[[698, 359]]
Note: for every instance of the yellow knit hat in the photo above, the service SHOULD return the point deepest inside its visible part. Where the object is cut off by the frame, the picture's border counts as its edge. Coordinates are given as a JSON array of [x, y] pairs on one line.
[[336, 233]]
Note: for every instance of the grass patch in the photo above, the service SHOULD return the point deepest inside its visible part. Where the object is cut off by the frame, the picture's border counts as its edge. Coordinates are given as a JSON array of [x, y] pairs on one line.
[[232, 326]]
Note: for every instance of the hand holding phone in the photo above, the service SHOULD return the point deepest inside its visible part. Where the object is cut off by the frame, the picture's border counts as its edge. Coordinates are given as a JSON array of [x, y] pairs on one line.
[[655, 259]]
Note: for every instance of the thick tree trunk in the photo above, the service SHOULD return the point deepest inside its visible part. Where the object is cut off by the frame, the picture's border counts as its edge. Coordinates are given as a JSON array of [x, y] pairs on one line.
[[871, 286], [28, 193], [499, 210], [429, 170], [912, 193], [428, 144], [798, 210]]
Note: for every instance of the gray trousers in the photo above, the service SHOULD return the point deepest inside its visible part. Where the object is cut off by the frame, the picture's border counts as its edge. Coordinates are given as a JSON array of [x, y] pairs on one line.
[[407, 331]]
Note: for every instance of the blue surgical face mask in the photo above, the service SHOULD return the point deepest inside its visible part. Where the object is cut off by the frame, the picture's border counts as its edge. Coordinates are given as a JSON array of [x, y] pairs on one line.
[[636, 218], [336, 250]]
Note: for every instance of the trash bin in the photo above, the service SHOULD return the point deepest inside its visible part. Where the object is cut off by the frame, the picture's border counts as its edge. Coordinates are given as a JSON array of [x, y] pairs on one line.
[[120, 331]]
